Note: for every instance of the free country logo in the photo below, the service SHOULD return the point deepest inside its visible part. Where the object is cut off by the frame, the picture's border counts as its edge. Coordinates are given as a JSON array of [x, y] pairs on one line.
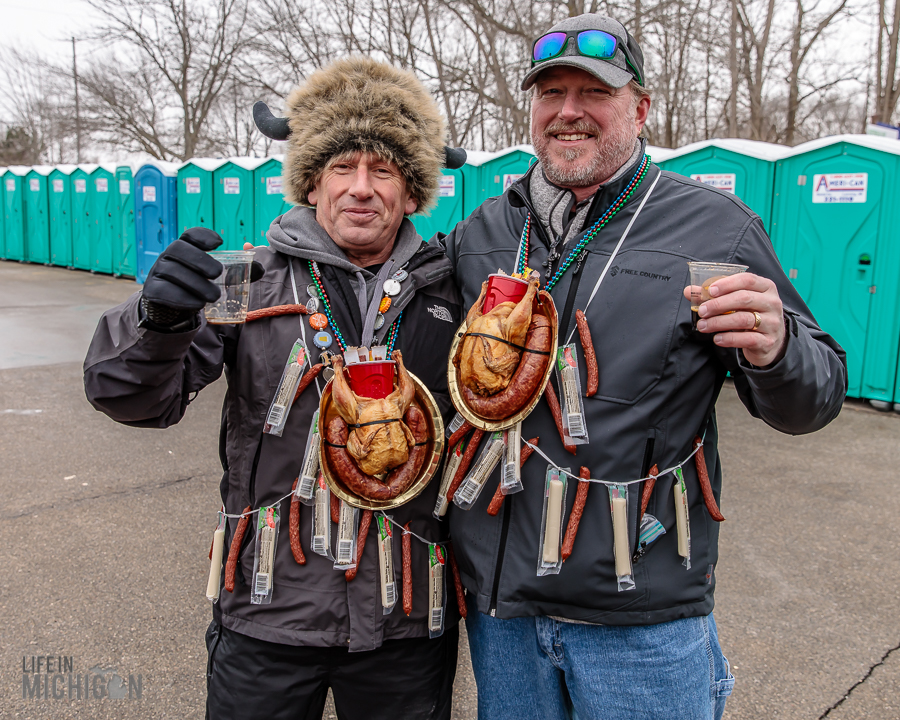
[[54, 677], [616, 270]]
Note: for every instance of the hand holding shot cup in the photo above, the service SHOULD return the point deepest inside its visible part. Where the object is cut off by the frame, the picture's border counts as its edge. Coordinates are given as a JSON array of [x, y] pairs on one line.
[[741, 310]]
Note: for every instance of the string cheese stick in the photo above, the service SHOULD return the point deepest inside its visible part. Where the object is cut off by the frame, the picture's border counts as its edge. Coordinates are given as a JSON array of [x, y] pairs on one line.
[[554, 513], [215, 565], [681, 519], [620, 536]]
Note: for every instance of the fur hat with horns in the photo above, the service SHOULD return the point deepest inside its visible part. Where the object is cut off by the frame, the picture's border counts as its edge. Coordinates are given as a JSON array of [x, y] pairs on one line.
[[361, 105]]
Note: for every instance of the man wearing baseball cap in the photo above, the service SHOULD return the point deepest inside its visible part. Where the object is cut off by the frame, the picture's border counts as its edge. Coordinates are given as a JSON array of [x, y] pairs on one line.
[[622, 626]]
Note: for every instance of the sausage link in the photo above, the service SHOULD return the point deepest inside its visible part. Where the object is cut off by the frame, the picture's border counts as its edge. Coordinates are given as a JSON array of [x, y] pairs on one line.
[[361, 536], [556, 411], [577, 512], [463, 468], [497, 500], [647, 492], [294, 528], [343, 465], [406, 543], [401, 477], [705, 487], [276, 310], [307, 378], [457, 582], [590, 357], [235, 549], [335, 509], [524, 383], [460, 433]]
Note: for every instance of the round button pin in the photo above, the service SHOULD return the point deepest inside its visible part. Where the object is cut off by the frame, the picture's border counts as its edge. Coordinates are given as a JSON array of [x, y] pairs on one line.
[[322, 340], [318, 321], [384, 305], [391, 287], [400, 275]]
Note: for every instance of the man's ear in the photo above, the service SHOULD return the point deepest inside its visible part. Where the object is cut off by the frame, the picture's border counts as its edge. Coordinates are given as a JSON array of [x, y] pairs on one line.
[[411, 206], [641, 112], [313, 196]]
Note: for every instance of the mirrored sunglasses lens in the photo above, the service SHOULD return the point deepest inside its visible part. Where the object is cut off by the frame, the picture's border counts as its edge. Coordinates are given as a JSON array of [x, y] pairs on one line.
[[596, 43], [549, 46]]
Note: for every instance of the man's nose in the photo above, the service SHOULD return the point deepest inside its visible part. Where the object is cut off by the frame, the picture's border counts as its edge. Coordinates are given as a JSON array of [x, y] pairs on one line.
[[362, 184], [571, 109]]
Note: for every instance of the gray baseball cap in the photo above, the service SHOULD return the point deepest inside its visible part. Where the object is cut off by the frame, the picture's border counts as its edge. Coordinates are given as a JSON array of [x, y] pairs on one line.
[[627, 64]]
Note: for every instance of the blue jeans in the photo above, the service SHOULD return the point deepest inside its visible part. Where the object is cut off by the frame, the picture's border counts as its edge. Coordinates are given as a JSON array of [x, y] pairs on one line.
[[543, 669]]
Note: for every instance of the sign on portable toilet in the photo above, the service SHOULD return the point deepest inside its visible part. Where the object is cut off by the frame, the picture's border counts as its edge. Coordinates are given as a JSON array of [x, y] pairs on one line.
[[104, 206], [834, 223], [124, 251], [491, 174], [268, 198], [233, 201], [155, 202], [195, 193], [37, 214], [59, 187], [744, 168], [447, 211], [14, 213], [82, 216]]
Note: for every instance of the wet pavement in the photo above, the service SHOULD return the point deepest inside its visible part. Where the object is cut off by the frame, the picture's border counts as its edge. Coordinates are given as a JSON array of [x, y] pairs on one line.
[[104, 533]]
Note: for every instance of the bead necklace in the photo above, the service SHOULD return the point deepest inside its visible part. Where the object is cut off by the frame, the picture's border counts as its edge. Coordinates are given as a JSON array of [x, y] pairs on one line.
[[617, 205]]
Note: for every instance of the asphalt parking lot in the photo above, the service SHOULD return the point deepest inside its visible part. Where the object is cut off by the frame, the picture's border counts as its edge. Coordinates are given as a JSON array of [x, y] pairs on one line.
[[104, 532]]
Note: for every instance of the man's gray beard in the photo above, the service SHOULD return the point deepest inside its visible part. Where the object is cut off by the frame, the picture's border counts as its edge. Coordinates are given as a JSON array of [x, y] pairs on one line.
[[608, 155]]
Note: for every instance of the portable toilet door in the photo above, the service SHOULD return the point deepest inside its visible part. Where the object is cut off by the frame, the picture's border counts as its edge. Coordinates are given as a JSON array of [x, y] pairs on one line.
[[449, 207], [744, 168], [155, 201], [195, 193], [37, 214], [268, 198], [497, 173], [82, 216], [834, 221], [104, 198], [124, 251], [59, 192], [14, 214], [233, 201]]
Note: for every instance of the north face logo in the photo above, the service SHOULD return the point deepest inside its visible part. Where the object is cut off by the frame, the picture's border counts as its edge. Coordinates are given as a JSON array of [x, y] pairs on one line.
[[441, 313]]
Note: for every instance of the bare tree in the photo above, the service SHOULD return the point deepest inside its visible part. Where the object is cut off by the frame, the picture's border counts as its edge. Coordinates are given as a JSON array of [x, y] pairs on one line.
[[887, 83]]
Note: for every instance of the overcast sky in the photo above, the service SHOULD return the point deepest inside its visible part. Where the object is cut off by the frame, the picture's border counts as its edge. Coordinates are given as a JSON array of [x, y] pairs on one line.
[[43, 25]]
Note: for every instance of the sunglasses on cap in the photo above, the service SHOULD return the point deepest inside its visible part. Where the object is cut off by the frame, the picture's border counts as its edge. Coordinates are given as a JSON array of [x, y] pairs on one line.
[[595, 44]]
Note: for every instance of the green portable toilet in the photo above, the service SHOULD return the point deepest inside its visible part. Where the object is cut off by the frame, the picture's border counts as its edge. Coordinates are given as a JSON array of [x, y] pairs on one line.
[[104, 204], [658, 154], [745, 168], [59, 186], [268, 198], [82, 216], [834, 223], [195, 193], [449, 207], [37, 214], [490, 174], [233, 201], [124, 252], [14, 213], [2, 220]]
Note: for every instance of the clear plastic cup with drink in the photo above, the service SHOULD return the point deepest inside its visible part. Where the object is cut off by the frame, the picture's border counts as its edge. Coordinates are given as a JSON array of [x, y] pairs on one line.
[[704, 274], [231, 307]]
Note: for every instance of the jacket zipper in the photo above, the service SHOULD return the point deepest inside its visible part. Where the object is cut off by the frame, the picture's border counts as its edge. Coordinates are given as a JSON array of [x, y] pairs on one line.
[[573, 291], [499, 566]]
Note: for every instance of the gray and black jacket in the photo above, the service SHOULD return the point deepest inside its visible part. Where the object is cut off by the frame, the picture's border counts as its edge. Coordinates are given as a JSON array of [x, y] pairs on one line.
[[659, 381], [147, 379]]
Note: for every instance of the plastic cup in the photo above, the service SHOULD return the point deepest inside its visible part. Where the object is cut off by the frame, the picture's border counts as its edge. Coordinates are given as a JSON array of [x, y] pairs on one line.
[[704, 274], [503, 288], [231, 307], [372, 379]]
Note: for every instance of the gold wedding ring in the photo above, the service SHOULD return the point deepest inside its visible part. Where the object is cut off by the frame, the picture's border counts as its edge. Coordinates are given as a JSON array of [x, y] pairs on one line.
[[758, 320]]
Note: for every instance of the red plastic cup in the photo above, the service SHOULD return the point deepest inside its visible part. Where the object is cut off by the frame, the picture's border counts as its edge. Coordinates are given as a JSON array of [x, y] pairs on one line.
[[372, 379], [503, 288]]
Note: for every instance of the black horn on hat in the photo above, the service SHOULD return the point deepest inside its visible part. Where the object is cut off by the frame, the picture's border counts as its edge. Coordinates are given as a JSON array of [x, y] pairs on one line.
[[454, 158], [272, 127]]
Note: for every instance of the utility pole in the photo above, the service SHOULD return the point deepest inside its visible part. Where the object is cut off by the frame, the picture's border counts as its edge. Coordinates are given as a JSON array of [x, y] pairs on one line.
[[77, 106], [733, 66]]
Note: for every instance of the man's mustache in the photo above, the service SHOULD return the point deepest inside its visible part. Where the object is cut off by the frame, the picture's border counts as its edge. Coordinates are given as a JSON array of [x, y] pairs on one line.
[[572, 128]]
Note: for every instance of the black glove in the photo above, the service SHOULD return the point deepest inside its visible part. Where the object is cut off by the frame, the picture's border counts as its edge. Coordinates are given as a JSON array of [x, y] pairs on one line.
[[180, 279]]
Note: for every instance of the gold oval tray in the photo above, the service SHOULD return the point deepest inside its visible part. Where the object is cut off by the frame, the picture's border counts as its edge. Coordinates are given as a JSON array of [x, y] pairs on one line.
[[426, 403], [547, 308]]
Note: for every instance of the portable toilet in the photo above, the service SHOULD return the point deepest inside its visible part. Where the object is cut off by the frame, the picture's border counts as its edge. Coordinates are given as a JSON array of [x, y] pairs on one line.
[[834, 223], [59, 186], [233, 190], [195, 193], [2, 221], [658, 154], [124, 251], [156, 192], [449, 207], [37, 214], [490, 174], [268, 198], [104, 203], [745, 168], [82, 216], [14, 213]]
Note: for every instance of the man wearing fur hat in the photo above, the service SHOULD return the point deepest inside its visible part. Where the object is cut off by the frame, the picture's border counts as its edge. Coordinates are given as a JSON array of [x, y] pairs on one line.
[[365, 149], [624, 628]]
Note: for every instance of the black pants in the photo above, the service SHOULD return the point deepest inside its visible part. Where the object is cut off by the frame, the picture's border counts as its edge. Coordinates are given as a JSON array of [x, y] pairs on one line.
[[403, 679]]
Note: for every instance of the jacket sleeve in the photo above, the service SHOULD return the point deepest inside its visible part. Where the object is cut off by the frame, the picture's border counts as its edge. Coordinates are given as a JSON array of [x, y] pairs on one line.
[[805, 389], [143, 378]]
